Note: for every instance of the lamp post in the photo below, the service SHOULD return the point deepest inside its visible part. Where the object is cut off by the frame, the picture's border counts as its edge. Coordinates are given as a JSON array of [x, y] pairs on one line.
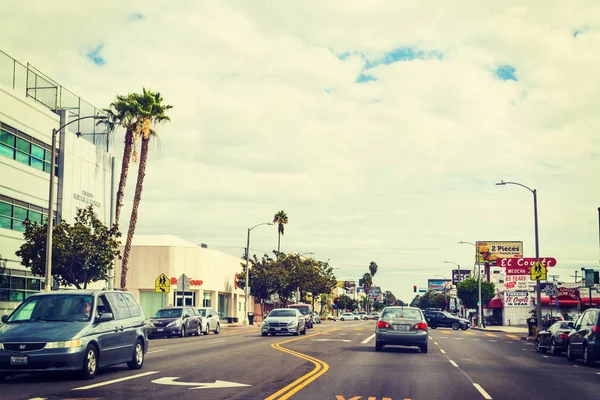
[[480, 311], [247, 288], [50, 219], [537, 247], [459, 279]]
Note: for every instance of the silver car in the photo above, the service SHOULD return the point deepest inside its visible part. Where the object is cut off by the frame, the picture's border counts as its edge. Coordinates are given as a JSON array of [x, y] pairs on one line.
[[284, 320], [210, 320], [402, 326]]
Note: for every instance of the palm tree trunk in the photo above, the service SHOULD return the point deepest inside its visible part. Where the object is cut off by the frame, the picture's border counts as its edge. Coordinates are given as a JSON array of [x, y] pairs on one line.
[[134, 211], [124, 171], [278, 241]]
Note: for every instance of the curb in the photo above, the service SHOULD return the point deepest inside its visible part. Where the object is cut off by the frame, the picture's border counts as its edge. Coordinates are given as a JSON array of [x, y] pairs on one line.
[[486, 330]]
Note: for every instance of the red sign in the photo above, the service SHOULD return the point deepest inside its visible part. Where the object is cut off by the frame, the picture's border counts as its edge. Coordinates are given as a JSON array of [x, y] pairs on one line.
[[563, 291], [517, 271], [193, 282], [524, 262]]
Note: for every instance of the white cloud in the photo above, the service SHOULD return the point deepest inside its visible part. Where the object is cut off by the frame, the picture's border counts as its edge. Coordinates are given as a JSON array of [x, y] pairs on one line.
[[396, 170]]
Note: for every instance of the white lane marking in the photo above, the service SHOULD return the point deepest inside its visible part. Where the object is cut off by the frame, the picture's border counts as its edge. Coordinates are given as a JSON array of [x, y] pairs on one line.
[[510, 342], [485, 394], [453, 363], [577, 366], [442, 350], [156, 351], [475, 339], [524, 349], [545, 356], [492, 340], [368, 339], [459, 338], [598, 373], [331, 340], [95, 385], [434, 342], [218, 341]]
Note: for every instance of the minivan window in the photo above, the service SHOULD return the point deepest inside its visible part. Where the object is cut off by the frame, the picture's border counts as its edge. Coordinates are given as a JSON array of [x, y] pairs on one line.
[[120, 309], [56, 308], [402, 313], [202, 312], [168, 313], [134, 308]]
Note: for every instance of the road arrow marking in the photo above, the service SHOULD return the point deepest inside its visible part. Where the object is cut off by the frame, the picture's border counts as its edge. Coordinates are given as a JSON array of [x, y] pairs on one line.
[[170, 380], [330, 340]]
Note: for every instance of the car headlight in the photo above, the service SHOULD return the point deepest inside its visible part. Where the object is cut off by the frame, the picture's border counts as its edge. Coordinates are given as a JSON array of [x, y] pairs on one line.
[[149, 324], [265, 323], [292, 323], [1, 346], [177, 322], [63, 345]]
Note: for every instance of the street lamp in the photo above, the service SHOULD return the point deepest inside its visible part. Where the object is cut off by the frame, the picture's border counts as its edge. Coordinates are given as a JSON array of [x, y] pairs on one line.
[[480, 311], [50, 219], [459, 279], [247, 288], [538, 294]]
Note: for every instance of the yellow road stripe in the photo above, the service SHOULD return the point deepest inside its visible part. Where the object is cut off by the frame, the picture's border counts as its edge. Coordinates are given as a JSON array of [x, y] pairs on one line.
[[512, 337], [468, 333], [447, 332], [490, 334], [320, 368]]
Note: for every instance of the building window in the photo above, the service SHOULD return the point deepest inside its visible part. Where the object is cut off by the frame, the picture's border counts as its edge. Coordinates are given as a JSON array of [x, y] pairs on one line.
[[16, 286], [13, 215], [206, 299], [25, 149]]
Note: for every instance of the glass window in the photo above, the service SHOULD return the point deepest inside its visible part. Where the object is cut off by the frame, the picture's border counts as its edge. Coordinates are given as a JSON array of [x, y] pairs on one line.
[[7, 151], [35, 216], [6, 209], [120, 309], [17, 282], [23, 145], [17, 295], [4, 294], [20, 213], [37, 164], [37, 151], [134, 308], [4, 281], [7, 138], [46, 167], [33, 284], [22, 157], [47, 155]]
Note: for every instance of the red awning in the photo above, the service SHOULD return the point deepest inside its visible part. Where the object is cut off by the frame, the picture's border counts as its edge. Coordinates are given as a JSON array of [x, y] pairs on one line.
[[569, 301], [496, 302]]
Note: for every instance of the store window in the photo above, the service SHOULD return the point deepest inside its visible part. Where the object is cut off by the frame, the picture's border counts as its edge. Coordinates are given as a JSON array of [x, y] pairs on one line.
[[21, 147], [206, 300], [185, 299], [13, 215], [16, 286]]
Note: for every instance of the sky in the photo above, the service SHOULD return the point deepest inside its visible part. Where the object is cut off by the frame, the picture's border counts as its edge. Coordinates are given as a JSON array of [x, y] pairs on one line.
[[380, 128]]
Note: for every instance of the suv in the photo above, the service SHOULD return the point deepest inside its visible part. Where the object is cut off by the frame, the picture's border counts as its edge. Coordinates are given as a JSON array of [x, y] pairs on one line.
[[210, 320], [73, 330], [174, 321], [584, 339], [444, 319], [306, 310]]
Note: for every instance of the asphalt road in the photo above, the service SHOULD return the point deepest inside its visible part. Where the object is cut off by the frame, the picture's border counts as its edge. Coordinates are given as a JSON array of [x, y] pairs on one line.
[[336, 360]]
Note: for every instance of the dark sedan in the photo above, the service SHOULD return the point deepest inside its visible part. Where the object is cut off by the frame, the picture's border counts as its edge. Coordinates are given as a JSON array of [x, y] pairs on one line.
[[554, 338], [444, 319], [175, 321]]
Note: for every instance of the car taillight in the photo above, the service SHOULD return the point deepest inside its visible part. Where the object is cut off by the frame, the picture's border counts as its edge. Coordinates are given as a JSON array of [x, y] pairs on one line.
[[564, 336], [383, 325], [421, 326], [596, 329]]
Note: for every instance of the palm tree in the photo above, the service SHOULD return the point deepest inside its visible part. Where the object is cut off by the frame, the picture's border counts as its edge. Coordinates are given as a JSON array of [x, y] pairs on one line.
[[373, 268], [280, 218], [151, 110]]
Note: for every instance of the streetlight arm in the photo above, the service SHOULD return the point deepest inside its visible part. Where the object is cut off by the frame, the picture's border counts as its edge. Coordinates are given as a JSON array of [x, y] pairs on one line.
[[462, 242], [451, 262], [79, 119], [264, 223], [514, 183]]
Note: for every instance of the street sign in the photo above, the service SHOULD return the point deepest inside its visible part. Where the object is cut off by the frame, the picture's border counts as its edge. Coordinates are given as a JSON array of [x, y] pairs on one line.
[[162, 284], [539, 272], [183, 283]]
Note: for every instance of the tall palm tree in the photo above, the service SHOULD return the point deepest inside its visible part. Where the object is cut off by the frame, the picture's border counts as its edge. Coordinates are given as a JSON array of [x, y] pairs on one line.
[[151, 110], [373, 268], [281, 219]]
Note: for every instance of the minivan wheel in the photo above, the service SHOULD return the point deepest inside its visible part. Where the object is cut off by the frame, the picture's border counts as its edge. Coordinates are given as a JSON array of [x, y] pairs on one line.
[[217, 329], [90, 363], [137, 359], [182, 333], [455, 326], [206, 330], [570, 355], [198, 331], [587, 359]]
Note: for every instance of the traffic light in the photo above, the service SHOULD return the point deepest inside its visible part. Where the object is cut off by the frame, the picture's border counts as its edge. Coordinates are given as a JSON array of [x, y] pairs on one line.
[[415, 289]]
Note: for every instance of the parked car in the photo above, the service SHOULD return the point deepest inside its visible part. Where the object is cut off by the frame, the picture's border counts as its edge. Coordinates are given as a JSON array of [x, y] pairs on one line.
[[348, 317], [373, 315], [73, 330], [362, 315], [401, 326], [584, 338], [444, 319], [174, 321], [316, 318], [306, 310], [209, 320], [330, 317], [284, 320], [554, 338]]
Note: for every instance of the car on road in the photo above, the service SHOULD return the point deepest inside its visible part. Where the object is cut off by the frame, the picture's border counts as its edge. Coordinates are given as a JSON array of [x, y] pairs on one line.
[[284, 320], [348, 317], [73, 330], [306, 310], [584, 338], [401, 326], [443, 319], [330, 317], [362, 315], [174, 321], [373, 315], [554, 338], [209, 320], [316, 318]]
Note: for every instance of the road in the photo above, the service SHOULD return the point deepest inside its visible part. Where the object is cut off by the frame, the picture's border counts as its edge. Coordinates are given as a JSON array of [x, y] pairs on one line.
[[336, 360]]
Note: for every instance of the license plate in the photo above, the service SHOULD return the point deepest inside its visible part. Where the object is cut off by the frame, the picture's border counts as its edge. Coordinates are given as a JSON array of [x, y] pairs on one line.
[[18, 360], [160, 329], [402, 327], [277, 329]]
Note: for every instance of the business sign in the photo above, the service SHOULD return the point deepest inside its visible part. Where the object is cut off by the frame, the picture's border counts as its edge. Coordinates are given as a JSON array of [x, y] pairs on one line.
[[464, 274], [524, 262], [516, 299], [516, 282], [438, 285], [374, 292], [489, 252]]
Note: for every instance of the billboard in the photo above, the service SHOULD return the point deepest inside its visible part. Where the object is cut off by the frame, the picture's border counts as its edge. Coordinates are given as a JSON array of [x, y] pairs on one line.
[[438, 285], [349, 286], [375, 292], [464, 274], [516, 299], [489, 252]]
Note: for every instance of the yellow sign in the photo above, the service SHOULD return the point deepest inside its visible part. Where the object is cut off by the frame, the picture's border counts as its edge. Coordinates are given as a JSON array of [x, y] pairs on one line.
[[162, 284], [538, 271]]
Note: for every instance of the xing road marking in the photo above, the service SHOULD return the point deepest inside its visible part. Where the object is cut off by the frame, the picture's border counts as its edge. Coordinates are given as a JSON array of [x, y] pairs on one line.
[[320, 368], [468, 333], [368, 339], [453, 363], [156, 351], [485, 394], [512, 337], [95, 385], [490, 335], [170, 380]]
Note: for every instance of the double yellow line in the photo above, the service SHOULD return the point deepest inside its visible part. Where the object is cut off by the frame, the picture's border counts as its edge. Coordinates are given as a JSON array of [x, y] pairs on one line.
[[320, 368]]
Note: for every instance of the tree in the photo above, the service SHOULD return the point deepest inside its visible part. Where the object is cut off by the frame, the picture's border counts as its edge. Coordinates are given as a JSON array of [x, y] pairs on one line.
[[373, 268], [262, 280], [431, 299], [149, 109], [389, 297], [281, 219], [468, 292], [81, 253], [345, 302]]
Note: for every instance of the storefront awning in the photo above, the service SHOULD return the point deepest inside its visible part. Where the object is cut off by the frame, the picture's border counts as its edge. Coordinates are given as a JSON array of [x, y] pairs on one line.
[[496, 302]]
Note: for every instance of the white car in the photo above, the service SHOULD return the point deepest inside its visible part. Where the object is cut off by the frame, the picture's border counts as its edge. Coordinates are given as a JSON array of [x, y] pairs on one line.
[[210, 320], [349, 317]]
